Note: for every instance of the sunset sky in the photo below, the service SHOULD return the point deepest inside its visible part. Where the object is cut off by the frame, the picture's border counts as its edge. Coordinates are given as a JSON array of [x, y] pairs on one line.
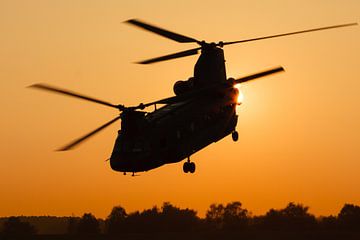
[[299, 131]]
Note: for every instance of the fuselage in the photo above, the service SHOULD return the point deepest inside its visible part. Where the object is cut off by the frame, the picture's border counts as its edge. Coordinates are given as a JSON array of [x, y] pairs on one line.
[[173, 133], [176, 131]]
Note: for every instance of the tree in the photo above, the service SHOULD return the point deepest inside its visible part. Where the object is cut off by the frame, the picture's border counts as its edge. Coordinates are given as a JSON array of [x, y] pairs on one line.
[[328, 223], [214, 216], [88, 224], [176, 219], [72, 225], [292, 217], [235, 217], [15, 227], [115, 222], [230, 217], [148, 220], [167, 219], [349, 217]]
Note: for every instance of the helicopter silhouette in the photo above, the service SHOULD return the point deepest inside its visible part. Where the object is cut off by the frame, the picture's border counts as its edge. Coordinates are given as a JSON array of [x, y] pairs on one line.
[[203, 110]]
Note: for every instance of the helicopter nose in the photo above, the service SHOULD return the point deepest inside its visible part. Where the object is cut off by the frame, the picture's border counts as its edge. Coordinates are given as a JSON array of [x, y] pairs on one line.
[[120, 166], [123, 163]]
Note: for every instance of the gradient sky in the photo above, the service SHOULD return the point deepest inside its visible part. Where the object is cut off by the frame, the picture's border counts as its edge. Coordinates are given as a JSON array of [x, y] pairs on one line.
[[299, 131]]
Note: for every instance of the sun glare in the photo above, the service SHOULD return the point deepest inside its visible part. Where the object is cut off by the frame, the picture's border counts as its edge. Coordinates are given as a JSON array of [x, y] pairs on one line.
[[241, 95]]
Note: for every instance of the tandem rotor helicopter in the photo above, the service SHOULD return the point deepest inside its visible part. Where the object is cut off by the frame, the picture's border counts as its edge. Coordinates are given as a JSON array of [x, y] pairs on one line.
[[202, 111]]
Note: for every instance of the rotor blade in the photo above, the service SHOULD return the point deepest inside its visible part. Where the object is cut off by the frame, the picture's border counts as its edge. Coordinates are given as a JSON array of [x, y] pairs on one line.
[[188, 95], [80, 140], [259, 75], [174, 99], [183, 97], [72, 94], [291, 33], [171, 56], [160, 31], [204, 90]]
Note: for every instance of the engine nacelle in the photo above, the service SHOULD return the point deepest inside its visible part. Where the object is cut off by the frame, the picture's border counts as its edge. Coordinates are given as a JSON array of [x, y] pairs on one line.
[[181, 87]]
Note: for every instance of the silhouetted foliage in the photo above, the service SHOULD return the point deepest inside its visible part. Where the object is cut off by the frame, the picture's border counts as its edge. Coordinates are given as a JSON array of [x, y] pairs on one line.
[[169, 219], [214, 216], [44, 224], [15, 227], [72, 225], [329, 222], [115, 222], [293, 217], [235, 217], [349, 217], [88, 224], [230, 221], [148, 220], [230, 217], [176, 219]]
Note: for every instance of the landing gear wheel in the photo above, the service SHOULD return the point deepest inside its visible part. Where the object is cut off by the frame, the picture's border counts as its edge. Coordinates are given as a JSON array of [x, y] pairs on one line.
[[235, 136], [192, 167], [186, 167], [189, 167]]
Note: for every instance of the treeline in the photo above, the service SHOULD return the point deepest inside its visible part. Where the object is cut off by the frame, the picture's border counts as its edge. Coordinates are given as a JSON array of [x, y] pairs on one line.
[[231, 218]]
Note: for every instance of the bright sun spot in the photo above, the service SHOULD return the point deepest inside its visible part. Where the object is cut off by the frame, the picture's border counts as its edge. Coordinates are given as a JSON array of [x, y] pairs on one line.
[[241, 95]]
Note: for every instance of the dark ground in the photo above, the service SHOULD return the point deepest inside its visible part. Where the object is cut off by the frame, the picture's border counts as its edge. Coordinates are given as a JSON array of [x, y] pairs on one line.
[[204, 235]]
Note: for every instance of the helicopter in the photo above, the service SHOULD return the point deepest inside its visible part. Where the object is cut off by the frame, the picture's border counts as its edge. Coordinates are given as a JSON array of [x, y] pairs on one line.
[[203, 110]]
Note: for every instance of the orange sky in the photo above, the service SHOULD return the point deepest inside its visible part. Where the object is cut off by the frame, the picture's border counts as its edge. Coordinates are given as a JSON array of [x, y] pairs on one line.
[[299, 131]]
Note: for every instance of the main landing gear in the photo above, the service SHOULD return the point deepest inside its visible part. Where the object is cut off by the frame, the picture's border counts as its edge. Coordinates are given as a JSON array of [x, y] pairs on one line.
[[235, 136], [189, 166]]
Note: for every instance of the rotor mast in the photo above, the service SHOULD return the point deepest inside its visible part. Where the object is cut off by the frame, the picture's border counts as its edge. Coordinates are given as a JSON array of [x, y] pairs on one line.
[[210, 66]]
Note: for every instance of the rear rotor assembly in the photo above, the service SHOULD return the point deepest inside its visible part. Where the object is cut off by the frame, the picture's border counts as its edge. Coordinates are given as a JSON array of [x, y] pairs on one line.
[[184, 39]]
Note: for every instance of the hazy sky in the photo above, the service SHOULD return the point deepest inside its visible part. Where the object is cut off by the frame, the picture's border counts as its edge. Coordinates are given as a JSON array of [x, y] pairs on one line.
[[299, 131]]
